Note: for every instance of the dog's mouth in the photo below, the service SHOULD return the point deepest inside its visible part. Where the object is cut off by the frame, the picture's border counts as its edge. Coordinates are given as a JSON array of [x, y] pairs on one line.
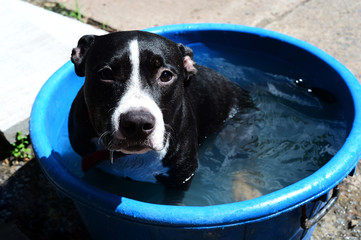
[[135, 149], [129, 147], [132, 146]]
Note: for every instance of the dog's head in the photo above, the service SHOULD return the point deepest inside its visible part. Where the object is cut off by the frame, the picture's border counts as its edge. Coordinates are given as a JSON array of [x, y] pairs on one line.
[[134, 84]]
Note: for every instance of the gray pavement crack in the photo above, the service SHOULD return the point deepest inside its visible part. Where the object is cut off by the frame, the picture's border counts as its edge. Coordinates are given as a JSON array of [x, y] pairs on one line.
[[267, 21]]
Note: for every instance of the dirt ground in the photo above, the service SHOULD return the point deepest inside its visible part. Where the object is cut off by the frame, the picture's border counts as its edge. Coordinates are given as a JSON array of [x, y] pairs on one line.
[[29, 203], [344, 219]]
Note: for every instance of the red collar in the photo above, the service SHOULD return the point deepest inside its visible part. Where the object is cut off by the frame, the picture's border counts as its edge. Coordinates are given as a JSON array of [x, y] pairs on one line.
[[94, 159]]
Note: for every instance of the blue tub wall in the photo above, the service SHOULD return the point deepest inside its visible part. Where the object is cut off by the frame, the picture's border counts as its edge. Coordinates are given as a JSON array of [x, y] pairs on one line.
[[105, 210], [113, 227]]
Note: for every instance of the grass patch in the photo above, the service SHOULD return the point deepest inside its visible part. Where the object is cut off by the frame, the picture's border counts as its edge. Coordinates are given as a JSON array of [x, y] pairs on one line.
[[21, 148]]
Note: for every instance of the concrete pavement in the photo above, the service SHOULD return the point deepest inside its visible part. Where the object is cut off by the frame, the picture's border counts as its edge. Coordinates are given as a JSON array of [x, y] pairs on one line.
[[332, 25], [34, 43]]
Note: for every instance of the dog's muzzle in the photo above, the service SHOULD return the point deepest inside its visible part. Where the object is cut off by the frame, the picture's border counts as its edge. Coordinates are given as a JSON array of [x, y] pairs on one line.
[[134, 132], [135, 125]]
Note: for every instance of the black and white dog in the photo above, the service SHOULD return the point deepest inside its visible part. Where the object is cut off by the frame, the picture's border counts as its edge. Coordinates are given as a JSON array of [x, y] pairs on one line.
[[146, 100]]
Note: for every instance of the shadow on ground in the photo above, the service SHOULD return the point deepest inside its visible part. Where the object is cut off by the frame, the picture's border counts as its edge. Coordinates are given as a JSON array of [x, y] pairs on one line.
[[29, 203]]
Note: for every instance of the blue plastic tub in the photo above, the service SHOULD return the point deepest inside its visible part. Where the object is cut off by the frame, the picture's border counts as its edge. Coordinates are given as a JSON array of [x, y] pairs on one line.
[[273, 216]]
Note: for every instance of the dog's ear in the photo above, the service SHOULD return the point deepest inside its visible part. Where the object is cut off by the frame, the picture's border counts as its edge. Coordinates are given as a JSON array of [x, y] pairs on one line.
[[79, 53], [189, 64]]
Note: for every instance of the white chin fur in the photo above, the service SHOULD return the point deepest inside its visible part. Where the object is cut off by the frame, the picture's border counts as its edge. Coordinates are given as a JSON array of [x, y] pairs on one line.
[[145, 150]]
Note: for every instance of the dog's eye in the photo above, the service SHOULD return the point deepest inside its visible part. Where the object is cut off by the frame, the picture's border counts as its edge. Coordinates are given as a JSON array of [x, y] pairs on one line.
[[166, 76], [106, 74]]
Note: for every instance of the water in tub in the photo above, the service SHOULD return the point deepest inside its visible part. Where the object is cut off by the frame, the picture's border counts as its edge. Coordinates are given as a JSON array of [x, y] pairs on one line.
[[292, 134]]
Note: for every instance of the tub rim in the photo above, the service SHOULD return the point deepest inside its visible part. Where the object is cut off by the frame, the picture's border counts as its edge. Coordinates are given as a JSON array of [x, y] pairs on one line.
[[264, 207]]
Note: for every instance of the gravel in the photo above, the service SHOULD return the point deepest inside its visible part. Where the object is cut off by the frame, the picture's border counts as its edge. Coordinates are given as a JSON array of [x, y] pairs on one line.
[[344, 219]]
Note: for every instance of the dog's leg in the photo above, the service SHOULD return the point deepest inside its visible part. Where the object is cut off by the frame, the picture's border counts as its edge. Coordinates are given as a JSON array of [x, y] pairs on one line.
[[175, 196]]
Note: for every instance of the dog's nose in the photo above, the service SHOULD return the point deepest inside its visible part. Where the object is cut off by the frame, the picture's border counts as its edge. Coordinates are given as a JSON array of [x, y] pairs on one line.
[[136, 124]]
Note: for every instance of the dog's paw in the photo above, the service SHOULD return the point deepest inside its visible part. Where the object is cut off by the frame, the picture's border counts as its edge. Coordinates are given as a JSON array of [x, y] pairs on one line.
[[242, 190]]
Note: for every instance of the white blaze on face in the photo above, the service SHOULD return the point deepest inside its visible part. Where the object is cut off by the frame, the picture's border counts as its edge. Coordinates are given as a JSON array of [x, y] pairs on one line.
[[137, 98]]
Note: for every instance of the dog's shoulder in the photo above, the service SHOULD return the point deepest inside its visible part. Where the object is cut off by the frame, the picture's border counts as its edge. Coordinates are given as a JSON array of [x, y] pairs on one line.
[[214, 97], [82, 135]]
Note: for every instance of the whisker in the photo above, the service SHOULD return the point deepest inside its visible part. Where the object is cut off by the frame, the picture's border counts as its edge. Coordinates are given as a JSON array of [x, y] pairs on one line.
[[114, 132], [170, 132], [111, 109], [102, 136], [111, 156], [110, 144]]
